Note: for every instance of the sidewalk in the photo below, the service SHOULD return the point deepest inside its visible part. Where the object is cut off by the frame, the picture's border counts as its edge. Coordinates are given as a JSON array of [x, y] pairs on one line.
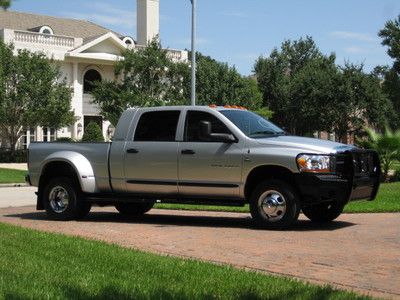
[[14, 197], [15, 166]]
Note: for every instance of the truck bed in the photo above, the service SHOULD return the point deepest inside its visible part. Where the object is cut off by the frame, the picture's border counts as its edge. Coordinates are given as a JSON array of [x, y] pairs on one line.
[[96, 153]]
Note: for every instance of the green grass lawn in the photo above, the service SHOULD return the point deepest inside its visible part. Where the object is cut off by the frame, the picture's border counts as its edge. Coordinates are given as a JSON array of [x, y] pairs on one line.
[[38, 265], [388, 200], [12, 176]]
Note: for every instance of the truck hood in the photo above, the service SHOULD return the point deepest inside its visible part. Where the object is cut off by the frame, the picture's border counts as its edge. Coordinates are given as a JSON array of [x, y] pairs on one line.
[[305, 144]]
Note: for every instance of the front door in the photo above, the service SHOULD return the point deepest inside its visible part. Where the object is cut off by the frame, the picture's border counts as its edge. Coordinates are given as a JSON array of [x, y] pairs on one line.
[[208, 169], [150, 162]]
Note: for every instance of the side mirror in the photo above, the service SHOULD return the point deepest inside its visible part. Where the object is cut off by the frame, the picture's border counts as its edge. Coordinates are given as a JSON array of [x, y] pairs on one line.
[[207, 135], [205, 129]]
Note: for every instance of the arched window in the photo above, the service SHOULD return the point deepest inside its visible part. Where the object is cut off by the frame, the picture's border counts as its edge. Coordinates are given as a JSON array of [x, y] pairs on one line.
[[46, 30], [128, 40], [89, 79]]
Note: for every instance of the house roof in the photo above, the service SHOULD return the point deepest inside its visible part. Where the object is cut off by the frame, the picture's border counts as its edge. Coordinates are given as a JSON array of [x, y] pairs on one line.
[[61, 26]]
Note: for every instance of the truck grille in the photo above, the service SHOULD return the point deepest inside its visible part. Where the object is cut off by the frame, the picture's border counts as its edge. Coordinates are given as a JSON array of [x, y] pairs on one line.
[[356, 163], [363, 163]]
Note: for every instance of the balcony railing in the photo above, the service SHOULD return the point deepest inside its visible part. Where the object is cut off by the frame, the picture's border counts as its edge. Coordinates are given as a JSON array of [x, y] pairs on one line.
[[44, 39], [175, 55]]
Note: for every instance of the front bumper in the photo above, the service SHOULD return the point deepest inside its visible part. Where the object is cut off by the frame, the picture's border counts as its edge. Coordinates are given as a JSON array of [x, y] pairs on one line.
[[356, 178]]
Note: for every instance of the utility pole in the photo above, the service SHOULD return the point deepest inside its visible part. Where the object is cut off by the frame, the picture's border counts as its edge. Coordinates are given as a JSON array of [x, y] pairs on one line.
[[193, 81]]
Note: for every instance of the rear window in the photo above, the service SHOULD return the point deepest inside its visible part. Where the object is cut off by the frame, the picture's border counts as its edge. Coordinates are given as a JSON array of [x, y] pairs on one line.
[[157, 126]]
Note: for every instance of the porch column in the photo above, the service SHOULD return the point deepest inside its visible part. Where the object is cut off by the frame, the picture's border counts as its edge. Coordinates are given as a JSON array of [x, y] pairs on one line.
[[76, 100]]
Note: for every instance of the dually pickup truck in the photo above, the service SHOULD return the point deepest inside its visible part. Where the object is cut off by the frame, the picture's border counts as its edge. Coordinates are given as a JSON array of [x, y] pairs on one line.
[[203, 155]]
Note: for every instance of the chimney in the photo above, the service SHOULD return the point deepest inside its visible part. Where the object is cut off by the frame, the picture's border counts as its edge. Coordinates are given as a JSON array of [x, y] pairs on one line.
[[148, 20]]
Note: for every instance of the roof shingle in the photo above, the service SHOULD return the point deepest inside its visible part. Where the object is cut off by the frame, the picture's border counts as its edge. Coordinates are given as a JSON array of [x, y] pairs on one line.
[[61, 26]]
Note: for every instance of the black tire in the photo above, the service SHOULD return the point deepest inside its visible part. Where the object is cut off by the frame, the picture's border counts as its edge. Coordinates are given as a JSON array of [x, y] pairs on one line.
[[134, 209], [324, 212], [284, 206], [62, 200]]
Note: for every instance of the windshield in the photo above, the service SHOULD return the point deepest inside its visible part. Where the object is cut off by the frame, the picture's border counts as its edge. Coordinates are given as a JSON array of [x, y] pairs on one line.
[[251, 124]]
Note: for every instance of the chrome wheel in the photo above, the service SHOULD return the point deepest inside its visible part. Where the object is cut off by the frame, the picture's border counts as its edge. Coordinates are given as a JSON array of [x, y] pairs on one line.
[[59, 199], [273, 205]]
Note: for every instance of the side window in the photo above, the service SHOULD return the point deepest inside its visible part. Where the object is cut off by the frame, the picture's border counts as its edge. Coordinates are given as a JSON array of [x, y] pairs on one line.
[[192, 125], [157, 126]]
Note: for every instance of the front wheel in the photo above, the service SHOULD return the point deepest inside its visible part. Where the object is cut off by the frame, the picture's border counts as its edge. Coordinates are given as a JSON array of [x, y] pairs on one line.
[[134, 208], [324, 212], [274, 204], [62, 200]]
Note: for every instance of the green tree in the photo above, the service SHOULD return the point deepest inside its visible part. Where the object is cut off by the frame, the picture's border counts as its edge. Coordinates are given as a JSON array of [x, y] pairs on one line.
[[31, 94], [359, 100], [386, 144], [92, 133], [217, 83], [390, 35], [5, 4], [308, 92], [144, 77], [297, 81]]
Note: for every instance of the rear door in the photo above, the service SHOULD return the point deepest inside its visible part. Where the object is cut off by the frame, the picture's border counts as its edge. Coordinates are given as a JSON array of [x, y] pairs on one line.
[[150, 162], [208, 169]]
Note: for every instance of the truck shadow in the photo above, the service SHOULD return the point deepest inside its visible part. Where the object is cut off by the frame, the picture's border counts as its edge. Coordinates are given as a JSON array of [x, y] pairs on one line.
[[162, 220]]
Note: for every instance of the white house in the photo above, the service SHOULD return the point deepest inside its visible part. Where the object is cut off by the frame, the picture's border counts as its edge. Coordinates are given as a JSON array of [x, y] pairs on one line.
[[85, 52]]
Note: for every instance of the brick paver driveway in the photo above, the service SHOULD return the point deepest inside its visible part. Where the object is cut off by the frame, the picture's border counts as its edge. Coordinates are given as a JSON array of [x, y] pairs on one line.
[[360, 252]]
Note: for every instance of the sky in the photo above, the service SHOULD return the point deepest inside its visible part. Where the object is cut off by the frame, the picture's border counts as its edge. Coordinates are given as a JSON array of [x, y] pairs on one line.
[[238, 32]]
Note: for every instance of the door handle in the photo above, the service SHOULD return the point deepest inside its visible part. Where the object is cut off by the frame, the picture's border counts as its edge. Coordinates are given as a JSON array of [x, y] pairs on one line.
[[132, 151], [188, 151]]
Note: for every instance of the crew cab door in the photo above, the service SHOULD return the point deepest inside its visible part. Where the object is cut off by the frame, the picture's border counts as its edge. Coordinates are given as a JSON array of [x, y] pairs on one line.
[[209, 169], [150, 162]]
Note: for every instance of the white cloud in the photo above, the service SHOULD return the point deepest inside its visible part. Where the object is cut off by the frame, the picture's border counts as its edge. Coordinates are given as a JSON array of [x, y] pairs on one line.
[[363, 49], [107, 14], [349, 35]]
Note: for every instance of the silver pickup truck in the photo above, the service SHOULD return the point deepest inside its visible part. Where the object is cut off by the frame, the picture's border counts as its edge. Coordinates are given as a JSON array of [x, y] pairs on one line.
[[203, 155]]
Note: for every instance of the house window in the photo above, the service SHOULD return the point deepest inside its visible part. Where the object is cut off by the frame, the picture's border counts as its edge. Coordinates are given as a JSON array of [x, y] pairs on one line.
[[49, 134], [27, 137], [89, 79], [46, 30], [128, 41]]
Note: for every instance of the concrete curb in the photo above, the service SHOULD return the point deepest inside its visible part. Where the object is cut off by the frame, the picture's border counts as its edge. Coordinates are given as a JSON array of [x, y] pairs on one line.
[[5, 185]]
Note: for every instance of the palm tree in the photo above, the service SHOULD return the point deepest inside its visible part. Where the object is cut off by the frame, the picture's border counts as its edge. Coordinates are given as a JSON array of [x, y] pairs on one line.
[[386, 144]]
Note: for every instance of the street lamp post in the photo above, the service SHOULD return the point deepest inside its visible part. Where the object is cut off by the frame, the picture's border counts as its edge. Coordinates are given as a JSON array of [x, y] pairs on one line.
[[193, 81]]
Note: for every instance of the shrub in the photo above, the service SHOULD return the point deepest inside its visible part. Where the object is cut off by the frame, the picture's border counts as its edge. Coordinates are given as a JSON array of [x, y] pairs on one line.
[[20, 156], [396, 175], [93, 133], [386, 144]]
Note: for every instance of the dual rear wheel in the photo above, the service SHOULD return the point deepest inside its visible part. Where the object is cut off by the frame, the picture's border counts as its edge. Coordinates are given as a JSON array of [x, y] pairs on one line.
[[63, 201]]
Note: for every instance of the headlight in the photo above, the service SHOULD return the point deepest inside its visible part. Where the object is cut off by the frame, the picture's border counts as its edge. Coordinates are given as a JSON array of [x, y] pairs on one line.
[[314, 163]]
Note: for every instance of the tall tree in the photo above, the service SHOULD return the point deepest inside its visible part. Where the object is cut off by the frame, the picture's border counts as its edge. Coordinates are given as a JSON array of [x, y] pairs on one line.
[[144, 77], [5, 4], [31, 94], [296, 82], [359, 100], [308, 92], [390, 35], [220, 84]]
